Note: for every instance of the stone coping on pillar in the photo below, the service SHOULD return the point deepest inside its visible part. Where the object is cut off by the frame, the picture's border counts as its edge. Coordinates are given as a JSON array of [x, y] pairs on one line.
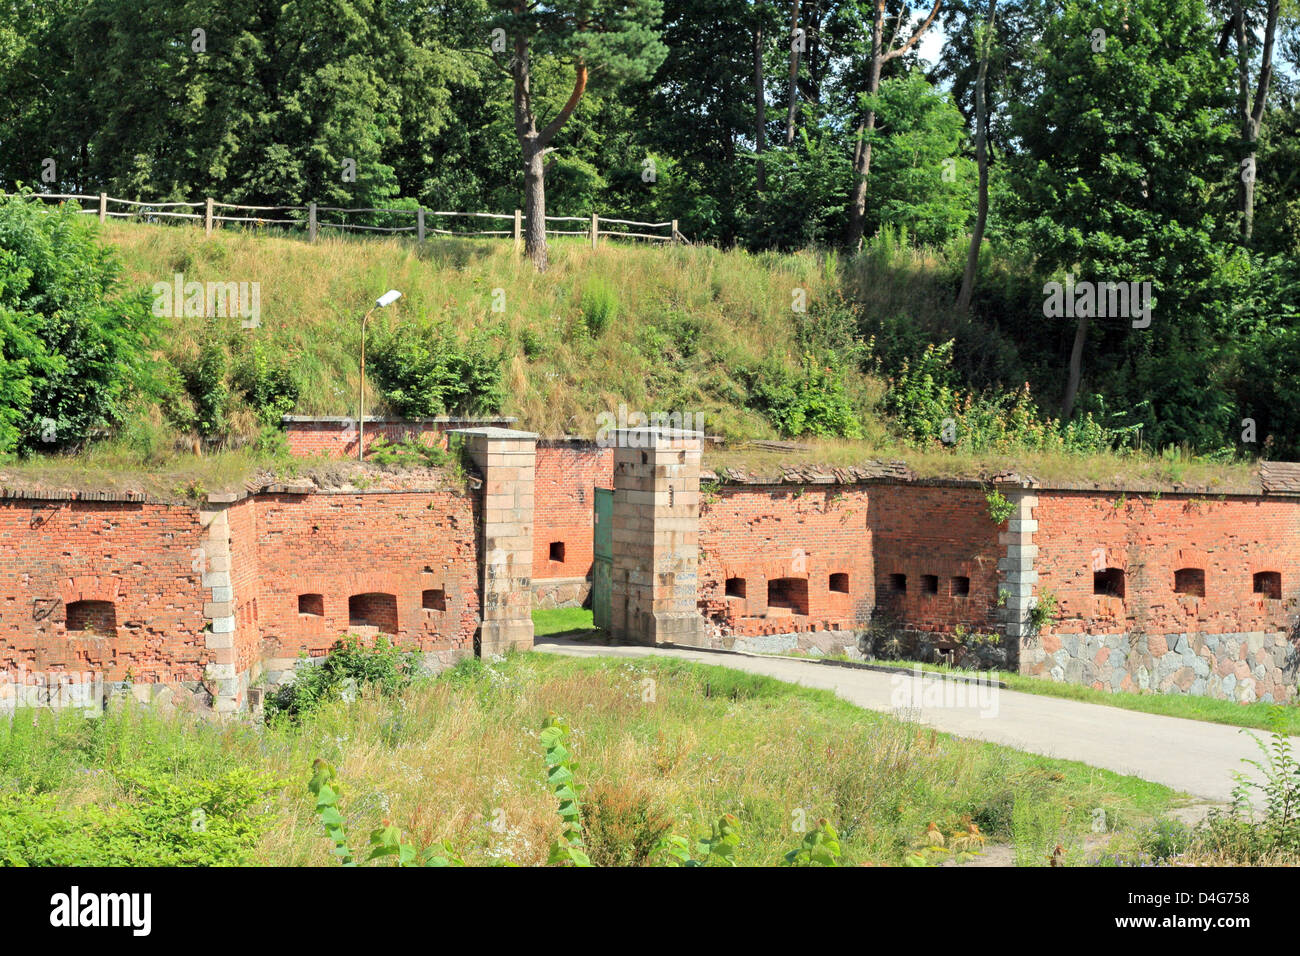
[[654, 436], [495, 432]]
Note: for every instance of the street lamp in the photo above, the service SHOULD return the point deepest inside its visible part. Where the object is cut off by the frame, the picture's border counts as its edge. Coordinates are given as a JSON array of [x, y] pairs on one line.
[[385, 300]]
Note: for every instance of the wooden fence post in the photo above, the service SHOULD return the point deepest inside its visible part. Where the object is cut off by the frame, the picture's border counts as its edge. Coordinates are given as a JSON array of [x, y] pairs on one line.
[[103, 206], [419, 224], [594, 228], [207, 217], [311, 223], [519, 232], [674, 235]]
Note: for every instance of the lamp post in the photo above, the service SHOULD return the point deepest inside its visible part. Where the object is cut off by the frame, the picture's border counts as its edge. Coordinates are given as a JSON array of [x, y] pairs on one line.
[[385, 300]]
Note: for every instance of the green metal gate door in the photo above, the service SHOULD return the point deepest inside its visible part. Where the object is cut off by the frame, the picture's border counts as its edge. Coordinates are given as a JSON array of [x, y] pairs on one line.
[[602, 564]]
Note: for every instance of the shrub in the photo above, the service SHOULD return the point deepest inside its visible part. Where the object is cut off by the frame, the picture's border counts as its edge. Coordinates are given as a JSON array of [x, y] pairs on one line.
[[160, 821], [430, 372], [623, 826], [814, 403], [927, 406], [268, 385], [350, 664], [74, 346]]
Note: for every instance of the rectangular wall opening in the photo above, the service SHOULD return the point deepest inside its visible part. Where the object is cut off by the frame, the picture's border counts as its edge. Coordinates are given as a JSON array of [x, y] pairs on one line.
[[433, 599], [898, 583], [1190, 581], [1269, 584], [840, 583], [735, 587], [788, 593], [1108, 583], [311, 604], [929, 584], [92, 617], [557, 551], [374, 609], [960, 586]]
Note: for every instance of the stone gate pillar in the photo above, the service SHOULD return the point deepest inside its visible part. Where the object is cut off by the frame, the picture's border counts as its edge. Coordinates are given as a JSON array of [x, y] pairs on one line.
[[507, 459], [1018, 577], [656, 522]]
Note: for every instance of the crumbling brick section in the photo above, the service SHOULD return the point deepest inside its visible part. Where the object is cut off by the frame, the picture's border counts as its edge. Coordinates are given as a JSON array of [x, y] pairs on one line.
[[323, 557], [101, 584]]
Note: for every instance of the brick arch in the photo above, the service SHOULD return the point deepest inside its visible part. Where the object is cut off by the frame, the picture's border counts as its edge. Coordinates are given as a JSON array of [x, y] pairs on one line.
[[92, 587]]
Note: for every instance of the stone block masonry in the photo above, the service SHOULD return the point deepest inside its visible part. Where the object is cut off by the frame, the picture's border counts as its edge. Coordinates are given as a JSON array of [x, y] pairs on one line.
[[1172, 593], [508, 461], [655, 521]]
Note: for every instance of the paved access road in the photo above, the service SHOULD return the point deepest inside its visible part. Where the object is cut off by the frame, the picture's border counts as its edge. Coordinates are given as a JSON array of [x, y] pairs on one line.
[[1192, 756]]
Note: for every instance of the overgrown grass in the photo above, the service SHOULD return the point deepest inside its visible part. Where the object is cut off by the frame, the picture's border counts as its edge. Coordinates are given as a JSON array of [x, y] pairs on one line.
[[660, 329], [561, 620], [667, 329], [658, 742]]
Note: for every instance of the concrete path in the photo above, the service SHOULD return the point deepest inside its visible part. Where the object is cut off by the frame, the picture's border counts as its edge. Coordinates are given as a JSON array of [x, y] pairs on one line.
[[1192, 756]]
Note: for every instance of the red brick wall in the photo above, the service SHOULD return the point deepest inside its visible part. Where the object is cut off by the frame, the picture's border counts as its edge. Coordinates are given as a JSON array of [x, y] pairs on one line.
[[762, 533], [765, 533], [943, 533], [138, 556], [566, 474], [339, 439], [1149, 540], [340, 546]]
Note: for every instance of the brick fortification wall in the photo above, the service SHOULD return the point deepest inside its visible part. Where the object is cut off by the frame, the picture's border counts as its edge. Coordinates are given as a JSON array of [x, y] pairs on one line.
[[809, 567], [200, 601], [105, 588], [1171, 593], [403, 564], [567, 472]]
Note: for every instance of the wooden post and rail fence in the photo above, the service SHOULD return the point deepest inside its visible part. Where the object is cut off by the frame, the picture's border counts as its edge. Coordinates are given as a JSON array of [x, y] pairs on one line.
[[308, 219]]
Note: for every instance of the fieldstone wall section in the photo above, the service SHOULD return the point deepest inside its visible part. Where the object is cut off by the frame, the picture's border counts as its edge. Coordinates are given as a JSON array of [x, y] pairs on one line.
[[508, 461], [656, 537], [1242, 667]]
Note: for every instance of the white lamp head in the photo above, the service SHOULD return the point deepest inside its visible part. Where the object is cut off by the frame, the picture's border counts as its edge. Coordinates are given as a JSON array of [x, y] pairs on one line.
[[388, 298]]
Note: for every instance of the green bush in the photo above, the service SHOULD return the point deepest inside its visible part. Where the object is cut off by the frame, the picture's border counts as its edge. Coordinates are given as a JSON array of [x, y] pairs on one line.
[[74, 346], [815, 402], [268, 384], [599, 306], [927, 406], [160, 820], [430, 372], [349, 664]]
